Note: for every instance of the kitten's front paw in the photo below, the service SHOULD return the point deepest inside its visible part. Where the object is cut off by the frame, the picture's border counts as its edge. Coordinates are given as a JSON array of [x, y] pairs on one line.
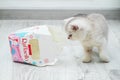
[[104, 59], [86, 60]]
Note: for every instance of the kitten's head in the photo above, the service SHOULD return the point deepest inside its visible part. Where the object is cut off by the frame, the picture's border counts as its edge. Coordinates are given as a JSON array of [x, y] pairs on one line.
[[73, 28]]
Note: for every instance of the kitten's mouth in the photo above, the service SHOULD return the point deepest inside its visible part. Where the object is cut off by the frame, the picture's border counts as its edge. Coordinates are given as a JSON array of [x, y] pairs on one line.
[[69, 36]]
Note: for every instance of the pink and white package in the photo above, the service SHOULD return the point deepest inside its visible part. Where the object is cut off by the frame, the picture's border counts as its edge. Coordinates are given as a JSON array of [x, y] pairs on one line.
[[33, 46]]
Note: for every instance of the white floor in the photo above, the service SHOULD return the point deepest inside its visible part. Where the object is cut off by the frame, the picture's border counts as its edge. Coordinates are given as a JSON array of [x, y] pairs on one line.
[[68, 67]]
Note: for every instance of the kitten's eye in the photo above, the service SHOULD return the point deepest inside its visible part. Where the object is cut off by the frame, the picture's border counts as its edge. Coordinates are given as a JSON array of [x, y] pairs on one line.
[[69, 36]]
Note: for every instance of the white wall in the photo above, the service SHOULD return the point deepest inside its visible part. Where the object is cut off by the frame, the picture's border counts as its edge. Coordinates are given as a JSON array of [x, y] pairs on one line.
[[60, 4]]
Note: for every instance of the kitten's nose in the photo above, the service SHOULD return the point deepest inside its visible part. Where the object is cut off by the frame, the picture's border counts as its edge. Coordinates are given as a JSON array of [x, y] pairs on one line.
[[69, 36]]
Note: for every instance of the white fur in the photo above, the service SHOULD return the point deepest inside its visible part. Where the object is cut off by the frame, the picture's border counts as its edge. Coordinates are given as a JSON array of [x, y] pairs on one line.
[[92, 32]]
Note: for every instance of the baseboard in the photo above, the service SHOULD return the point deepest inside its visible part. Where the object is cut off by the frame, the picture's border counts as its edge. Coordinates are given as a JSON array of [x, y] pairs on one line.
[[9, 14]]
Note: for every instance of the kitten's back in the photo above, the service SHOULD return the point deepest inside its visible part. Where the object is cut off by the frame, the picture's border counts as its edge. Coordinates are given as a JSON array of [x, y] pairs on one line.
[[99, 22]]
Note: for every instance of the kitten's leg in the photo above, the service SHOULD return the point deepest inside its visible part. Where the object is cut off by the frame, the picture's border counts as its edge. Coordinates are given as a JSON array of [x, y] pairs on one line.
[[87, 58], [102, 50]]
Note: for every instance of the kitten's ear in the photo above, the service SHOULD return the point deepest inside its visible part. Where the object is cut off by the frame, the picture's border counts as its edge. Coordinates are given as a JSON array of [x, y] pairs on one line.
[[74, 27]]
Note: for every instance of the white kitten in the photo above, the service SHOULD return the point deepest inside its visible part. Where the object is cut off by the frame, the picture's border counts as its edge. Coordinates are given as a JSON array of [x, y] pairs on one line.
[[92, 31]]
